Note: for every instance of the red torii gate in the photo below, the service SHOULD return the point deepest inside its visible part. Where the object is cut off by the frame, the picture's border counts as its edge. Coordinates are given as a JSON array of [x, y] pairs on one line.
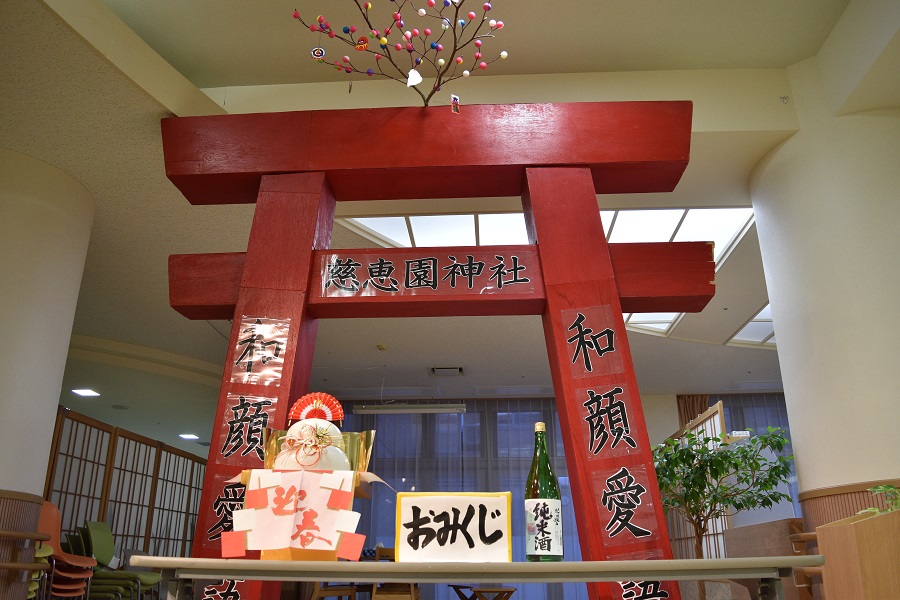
[[557, 157]]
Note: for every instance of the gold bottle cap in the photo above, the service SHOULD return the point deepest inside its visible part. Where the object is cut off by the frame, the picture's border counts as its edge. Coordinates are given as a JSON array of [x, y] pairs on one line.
[[539, 426]]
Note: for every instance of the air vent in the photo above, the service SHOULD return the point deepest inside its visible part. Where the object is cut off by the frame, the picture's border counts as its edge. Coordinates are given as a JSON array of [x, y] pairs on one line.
[[446, 371]]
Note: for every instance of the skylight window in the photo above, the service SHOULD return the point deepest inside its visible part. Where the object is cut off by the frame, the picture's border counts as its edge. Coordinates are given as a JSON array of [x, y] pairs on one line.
[[722, 226], [645, 225], [607, 217], [392, 229], [760, 330], [502, 229], [657, 321], [718, 225], [443, 230]]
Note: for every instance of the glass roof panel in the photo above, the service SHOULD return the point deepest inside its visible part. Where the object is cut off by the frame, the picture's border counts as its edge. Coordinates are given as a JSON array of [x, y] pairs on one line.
[[500, 229], [606, 217], [392, 228], [645, 225], [765, 313], [755, 331], [654, 326], [655, 317], [719, 225], [443, 230]]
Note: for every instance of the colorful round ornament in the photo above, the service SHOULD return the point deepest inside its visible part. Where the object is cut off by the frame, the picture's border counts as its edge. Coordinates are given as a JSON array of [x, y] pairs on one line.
[[317, 53]]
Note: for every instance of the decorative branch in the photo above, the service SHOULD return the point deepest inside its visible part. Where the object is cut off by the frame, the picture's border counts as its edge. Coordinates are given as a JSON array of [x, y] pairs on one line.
[[455, 29]]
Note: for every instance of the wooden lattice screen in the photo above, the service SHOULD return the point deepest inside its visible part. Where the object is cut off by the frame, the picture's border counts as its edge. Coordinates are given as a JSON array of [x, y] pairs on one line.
[[681, 534], [146, 491]]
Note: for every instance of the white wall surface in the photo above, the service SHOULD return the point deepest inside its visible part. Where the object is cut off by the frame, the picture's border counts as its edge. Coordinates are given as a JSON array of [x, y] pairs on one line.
[[45, 224]]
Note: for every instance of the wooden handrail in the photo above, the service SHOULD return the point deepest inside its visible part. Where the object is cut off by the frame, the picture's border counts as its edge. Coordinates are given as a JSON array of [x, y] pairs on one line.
[[374, 571], [20, 566], [25, 535]]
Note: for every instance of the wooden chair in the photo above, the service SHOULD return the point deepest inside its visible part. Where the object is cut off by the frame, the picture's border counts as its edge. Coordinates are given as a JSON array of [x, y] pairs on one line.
[[803, 576], [493, 593], [333, 590], [393, 590]]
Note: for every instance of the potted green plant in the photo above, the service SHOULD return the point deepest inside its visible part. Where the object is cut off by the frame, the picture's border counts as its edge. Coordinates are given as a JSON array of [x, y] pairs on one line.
[[891, 499], [705, 478]]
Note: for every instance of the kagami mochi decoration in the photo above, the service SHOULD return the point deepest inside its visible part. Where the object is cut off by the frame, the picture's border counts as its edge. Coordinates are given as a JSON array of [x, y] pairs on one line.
[[313, 441], [442, 39]]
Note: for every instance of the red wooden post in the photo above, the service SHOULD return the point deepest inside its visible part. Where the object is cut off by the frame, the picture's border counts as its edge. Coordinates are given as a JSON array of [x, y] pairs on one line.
[[608, 454], [270, 349]]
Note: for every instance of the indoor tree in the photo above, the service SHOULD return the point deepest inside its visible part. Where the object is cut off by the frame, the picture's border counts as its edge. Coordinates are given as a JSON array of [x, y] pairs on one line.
[[705, 478]]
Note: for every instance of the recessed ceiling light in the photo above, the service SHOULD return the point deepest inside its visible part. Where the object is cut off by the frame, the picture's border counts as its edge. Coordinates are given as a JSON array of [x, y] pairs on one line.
[[85, 392], [188, 436]]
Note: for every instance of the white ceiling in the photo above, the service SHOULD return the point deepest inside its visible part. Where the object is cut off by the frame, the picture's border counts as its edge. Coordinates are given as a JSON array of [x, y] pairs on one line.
[[64, 103]]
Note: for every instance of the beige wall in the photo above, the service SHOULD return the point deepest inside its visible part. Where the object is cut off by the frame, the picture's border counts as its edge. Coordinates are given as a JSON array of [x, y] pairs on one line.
[[45, 224], [661, 414]]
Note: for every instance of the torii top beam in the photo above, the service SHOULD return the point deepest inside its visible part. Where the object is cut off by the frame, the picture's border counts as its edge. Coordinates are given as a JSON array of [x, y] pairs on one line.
[[430, 152]]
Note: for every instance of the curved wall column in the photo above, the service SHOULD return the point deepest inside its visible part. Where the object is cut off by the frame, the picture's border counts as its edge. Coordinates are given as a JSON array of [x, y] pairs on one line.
[[45, 225], [827, 205]]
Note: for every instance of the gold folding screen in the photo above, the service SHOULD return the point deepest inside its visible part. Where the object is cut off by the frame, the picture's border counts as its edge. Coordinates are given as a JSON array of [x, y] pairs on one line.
[[146, 491]]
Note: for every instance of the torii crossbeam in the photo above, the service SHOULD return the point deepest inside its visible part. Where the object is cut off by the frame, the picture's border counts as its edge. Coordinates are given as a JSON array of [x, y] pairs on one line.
[[557, 157]]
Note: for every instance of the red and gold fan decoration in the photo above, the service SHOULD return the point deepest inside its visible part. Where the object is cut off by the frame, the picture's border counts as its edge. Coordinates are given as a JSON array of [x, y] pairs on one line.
[[317, 405]]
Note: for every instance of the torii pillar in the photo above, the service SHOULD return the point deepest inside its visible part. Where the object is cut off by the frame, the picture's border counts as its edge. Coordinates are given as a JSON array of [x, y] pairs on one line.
[[557, 157]]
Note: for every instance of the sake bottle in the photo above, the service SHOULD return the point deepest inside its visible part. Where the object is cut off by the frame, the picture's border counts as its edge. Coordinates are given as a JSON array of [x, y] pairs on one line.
[[543, 507]]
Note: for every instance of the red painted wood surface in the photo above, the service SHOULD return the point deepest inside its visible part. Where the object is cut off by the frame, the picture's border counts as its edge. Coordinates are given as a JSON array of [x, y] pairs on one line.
[[561, 212], [676, 276], [429, 152], [293, 218]]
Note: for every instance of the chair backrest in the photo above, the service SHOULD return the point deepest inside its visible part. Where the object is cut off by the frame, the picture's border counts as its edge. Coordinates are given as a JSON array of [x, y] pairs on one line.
[[76, 544], [384, 554], [49, 523], [129, 552], [85, 541], [100, 538]]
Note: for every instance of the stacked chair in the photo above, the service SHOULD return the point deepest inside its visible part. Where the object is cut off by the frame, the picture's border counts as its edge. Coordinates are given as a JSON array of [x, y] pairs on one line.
[[70, 575], [99, 543], [82, 566], [37, 587]]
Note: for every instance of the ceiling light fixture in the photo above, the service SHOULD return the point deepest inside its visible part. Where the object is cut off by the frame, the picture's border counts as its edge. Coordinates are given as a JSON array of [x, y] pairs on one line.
[[188, 436], [85, 392], [372, 409]]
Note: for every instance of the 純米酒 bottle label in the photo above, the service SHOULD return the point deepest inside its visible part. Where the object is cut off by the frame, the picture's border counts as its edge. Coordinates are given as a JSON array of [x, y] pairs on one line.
[[543, 527]]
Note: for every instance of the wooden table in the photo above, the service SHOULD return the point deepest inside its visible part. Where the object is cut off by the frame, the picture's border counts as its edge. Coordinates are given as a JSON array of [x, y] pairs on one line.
[[767, 570], [482, 593], [492, 593]]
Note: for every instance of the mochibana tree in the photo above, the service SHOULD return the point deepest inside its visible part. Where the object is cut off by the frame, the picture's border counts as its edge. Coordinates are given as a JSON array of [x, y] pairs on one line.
[[441, 40]]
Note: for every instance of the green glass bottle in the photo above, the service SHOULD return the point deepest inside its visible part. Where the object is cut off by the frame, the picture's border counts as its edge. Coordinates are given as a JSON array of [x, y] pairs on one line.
[[543, 506]]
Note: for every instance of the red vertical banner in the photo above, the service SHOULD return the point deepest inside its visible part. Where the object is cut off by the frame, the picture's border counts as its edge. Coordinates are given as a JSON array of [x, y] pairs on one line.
[[269, 354], [608, 452]]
